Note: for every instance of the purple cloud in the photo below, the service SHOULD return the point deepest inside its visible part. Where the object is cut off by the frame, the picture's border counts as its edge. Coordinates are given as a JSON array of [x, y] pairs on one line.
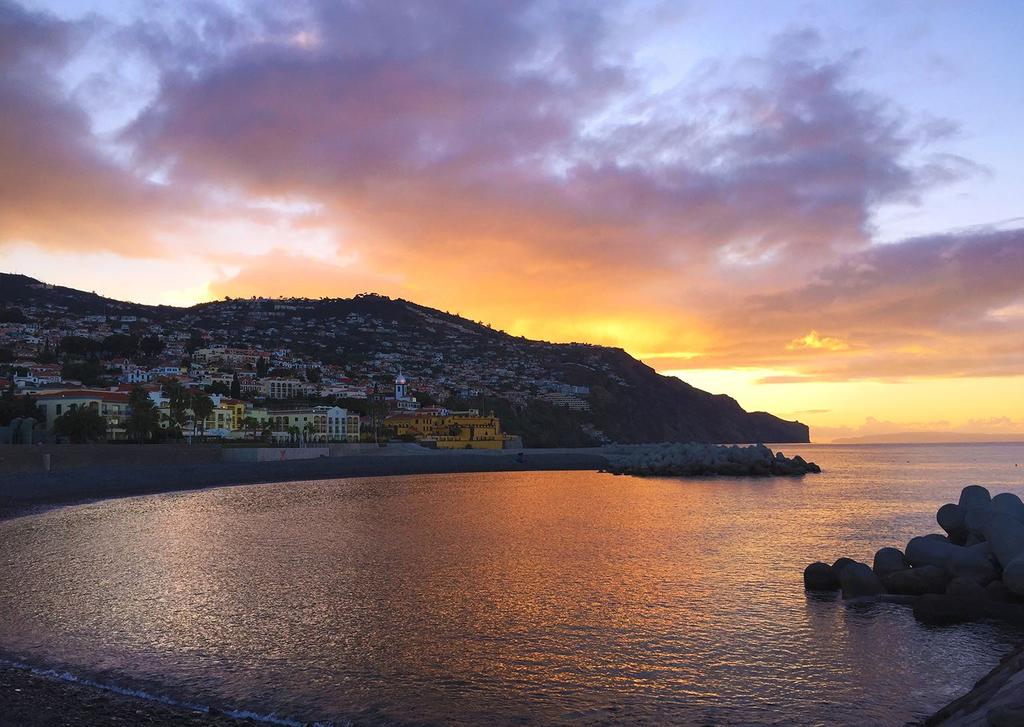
[[418, 124], [939, 305], [518, 144], [57, 188]]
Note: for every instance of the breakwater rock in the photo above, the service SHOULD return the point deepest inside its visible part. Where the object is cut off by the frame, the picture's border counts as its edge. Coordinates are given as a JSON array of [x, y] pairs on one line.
[[974, 571], [675, 460]]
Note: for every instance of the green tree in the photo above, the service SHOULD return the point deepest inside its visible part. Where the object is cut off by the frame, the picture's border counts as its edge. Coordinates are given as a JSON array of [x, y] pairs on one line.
[[89, 371], [78, 345], [195, 340], [177, 404], [81, 424], [143, 422], [48, 355], [15, 407], [236, 387], [120, 344], [262, 367], [202, 408], [12, 315], [424, 398], [151, 345], [357, 406], [251, 424]]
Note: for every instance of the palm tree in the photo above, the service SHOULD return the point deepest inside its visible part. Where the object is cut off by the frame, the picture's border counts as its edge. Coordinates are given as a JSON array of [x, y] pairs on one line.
[[144, 419], [177, 404], [202, 408], [251, 424], [81, 424]]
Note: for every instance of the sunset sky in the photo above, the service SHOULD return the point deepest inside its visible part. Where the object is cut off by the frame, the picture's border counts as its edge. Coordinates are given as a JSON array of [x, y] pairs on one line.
[[815, 207]]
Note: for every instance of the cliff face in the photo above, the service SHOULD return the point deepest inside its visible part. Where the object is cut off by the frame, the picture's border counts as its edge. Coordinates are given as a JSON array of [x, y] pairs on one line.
[[629, 401], [650, 407]]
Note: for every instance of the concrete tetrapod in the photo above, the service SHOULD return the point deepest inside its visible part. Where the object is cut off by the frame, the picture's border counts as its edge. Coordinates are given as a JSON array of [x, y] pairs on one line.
[[974, 496], [917, 581], [957, 560], [1005, 535], [976, 518], [888, 560], [820, 577], [858, 580], [950, 518], [1010, 504], [976, 503]]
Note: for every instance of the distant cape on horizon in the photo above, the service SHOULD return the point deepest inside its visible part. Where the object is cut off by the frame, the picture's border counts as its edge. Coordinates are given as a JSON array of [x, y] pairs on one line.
[[934, 438]]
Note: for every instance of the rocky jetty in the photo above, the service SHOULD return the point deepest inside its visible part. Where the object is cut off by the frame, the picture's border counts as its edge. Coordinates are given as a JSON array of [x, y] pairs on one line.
[[675, 460], [974, 571]]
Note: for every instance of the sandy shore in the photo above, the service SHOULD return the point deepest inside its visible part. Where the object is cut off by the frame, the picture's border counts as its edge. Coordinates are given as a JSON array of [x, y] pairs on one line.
[[24, 491]]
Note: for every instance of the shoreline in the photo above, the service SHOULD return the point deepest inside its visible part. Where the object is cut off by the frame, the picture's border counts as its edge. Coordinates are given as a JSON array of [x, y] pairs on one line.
[[23, 493], [995, 699], [35, 697], [40, 697]]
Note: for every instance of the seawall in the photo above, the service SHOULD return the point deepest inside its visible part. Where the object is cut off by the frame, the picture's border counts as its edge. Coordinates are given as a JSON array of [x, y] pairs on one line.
[[21, 458], [20, 490]]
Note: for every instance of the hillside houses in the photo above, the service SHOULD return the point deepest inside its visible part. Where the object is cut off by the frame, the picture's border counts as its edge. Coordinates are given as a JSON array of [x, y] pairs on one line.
[[282, 354]]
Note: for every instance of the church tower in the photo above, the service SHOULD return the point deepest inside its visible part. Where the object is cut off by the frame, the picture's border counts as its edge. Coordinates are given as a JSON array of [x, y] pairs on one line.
[[400, 387]]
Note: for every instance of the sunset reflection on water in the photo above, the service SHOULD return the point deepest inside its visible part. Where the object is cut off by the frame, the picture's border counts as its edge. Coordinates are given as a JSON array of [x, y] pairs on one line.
[[505, 597]]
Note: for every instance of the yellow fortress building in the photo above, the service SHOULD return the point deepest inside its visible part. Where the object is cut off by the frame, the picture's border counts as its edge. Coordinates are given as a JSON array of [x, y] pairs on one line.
[[450, 429]]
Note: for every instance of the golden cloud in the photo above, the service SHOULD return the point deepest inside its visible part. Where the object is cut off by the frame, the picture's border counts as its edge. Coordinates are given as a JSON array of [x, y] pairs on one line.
[[817, 341]]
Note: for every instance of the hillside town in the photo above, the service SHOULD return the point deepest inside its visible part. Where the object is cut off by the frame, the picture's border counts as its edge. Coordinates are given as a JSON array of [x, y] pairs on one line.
[[209, 373], [298, 370]]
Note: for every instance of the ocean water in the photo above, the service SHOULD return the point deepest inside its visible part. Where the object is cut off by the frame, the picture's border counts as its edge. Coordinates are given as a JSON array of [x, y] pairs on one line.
[[507, 598]]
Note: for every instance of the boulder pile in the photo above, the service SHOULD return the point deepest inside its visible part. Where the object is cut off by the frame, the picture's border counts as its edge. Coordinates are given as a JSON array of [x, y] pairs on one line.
[[672, 459], [975, 570]]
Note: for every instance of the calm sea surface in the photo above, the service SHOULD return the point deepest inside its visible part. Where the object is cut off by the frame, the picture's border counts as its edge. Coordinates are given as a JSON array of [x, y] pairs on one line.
[[526, 598]]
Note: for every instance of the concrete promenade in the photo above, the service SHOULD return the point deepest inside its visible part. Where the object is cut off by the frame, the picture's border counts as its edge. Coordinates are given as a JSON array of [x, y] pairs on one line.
[[20, 490]]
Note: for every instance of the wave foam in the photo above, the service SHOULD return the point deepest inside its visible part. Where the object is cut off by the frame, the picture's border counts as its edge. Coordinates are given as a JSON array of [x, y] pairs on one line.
[[66, 676]]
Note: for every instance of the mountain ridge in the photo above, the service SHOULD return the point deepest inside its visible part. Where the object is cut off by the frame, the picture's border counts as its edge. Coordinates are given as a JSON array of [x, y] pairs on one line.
[[628, 401]]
